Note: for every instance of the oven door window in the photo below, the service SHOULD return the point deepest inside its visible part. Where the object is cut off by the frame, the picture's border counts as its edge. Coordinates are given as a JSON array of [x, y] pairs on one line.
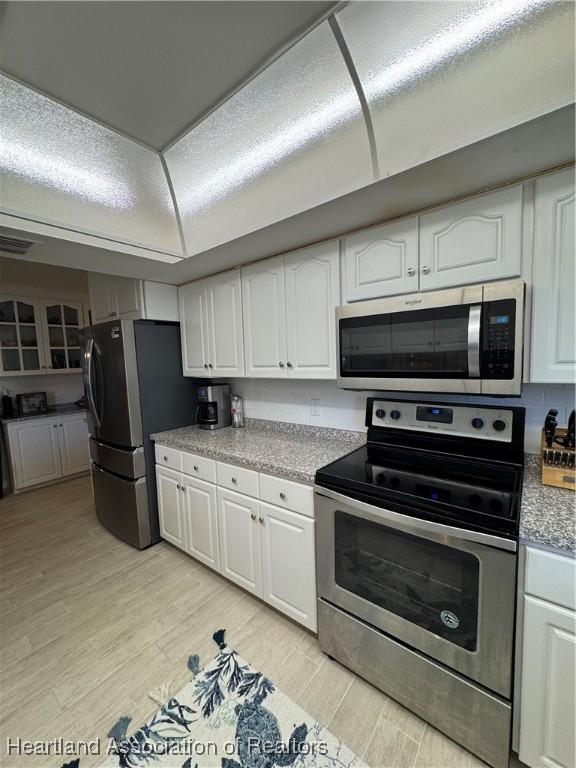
[[429, 584], [418, 343]]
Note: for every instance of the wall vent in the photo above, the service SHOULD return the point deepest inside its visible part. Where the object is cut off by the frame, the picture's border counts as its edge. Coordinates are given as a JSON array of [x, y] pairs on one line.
[[15, 245]]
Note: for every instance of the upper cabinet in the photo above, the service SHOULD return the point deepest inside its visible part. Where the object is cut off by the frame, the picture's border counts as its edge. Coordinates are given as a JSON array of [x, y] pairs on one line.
[[211, 323], [289, 314], [63, 321], [473, 241], [124, 298], [553, 314], [382, 261]]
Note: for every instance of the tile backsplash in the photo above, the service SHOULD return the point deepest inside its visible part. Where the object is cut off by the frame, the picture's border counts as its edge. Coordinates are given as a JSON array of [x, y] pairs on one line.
[[322, 403]]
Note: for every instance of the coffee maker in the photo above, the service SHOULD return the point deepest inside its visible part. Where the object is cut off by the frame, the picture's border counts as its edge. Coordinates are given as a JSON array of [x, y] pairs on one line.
[[213, 406]]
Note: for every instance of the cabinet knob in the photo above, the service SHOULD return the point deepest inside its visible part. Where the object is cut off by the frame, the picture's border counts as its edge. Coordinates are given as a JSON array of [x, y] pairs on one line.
[[281, 365], [205, 365], [253, 516], [54, 426], [178, 486], [210, 365], [182, 487], [289, 364], [261, 520], [195, 467], [411, 271], [234, 480], [282, 496], [165, 458], [425, 269]]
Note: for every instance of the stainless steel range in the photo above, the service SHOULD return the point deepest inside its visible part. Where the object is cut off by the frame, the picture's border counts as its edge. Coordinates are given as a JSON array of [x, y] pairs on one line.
[[416, 552]]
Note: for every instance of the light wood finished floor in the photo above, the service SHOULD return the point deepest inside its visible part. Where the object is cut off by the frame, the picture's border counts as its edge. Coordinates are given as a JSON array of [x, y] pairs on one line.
[[89, 626]]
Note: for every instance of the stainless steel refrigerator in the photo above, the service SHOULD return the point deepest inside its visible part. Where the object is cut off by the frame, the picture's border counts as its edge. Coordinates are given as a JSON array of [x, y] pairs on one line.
[[134, 387]]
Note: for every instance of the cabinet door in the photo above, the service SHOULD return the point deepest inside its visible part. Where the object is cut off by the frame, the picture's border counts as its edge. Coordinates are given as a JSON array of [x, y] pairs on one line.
[[476, 240], [382, 261], [62, 322], [102, 298], [201, 521], [21, 341], [73, 442], [193, 322], [312, 295], [288, 565], [548, 680], [129, 304], [264, 310], [170, 506], [225, 339], [553, 318], [239, 529], [34, 452]]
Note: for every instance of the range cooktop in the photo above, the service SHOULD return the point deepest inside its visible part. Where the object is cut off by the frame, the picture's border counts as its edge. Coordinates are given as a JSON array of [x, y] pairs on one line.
[[458, 464]]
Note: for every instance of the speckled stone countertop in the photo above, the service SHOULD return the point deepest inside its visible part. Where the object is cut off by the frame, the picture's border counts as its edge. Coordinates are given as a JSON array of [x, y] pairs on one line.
[[548, 514], [53, 410], [293, 451]]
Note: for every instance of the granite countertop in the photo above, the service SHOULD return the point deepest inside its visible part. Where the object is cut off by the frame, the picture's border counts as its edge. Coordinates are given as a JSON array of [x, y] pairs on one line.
[[548, 514], [293, 451], [62, 409]]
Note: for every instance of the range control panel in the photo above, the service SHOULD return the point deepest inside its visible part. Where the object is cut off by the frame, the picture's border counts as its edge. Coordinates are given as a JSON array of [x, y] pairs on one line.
[[456, 420]]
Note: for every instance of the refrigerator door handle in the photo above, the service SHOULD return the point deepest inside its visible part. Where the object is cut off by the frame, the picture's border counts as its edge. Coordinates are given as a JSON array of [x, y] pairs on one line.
[[88, 362]]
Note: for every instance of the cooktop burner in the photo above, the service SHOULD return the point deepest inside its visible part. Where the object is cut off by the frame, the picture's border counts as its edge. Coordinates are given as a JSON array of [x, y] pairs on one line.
[[433, 470]]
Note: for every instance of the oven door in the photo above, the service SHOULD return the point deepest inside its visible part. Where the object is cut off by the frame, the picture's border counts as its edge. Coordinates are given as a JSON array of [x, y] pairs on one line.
[[421, 343], [446, 592]]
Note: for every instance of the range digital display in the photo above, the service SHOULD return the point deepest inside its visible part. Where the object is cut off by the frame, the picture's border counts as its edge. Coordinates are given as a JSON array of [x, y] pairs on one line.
[[434, 413]]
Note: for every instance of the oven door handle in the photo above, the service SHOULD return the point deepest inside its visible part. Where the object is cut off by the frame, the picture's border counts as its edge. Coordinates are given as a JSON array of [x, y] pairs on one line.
[[418, 526], [474, 324]]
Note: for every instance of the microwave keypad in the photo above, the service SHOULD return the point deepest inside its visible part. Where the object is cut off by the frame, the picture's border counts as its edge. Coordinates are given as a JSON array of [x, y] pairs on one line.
[[499, 332]]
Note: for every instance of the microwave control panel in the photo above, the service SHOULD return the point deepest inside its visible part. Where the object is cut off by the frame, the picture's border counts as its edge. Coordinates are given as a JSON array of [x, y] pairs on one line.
[[456, 420], [498, 339]]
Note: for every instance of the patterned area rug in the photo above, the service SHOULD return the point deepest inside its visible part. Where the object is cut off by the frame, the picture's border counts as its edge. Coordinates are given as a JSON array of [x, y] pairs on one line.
[[228, 716]]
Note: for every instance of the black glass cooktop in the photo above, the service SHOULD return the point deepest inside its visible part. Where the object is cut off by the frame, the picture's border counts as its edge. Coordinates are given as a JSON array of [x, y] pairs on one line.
[[462, 491]]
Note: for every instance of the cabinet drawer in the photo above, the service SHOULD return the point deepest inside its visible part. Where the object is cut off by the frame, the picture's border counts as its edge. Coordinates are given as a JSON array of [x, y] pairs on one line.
[[199, 466], [551, 577], [287, 494], [237, 478], [168, 457]]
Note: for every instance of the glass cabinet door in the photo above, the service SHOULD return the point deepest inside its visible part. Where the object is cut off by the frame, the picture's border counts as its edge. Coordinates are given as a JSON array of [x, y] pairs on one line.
[[63, 323], [20, 347]]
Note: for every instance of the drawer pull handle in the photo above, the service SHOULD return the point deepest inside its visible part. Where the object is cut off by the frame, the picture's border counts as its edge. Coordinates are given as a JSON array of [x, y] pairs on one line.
[[253, 516], [261, 520], [234, 480], [282, 496], [195, 467]]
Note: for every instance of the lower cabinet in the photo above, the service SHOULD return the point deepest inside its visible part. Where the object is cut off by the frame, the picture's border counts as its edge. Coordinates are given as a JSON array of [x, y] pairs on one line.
[[47, 449], [266, 550]]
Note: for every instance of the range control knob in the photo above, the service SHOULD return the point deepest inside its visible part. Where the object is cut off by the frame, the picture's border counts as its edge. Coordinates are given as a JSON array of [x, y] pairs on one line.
[[395, 415], [499, 425], [477, 423], [380, 413]]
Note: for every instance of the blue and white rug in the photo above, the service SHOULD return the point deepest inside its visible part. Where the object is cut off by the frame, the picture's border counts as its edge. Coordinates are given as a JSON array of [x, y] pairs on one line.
[[228, 716]]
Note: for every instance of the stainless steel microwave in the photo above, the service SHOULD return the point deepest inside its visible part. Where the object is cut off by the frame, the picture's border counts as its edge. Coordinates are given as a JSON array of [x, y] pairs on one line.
[[465, 340]]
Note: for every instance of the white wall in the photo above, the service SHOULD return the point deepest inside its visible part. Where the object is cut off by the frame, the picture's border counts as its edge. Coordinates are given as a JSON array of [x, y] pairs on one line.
[[342, 409], [26, 278]]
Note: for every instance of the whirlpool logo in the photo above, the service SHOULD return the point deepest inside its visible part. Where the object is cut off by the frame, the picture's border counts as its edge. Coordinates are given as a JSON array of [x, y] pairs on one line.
[[450, 619]]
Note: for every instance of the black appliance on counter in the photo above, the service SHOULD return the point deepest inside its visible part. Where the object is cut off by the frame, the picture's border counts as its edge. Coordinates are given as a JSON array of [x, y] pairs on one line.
[[416, 560], [31, 404], [214, 407], [134, 386]]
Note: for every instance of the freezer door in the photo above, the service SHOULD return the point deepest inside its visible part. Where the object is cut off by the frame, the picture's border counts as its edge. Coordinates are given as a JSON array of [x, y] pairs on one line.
[[111, 383], [122, 506], [130, 463]]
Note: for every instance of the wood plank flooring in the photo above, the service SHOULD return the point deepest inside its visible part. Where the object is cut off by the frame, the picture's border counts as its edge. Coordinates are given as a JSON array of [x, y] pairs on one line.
[[89, 626]]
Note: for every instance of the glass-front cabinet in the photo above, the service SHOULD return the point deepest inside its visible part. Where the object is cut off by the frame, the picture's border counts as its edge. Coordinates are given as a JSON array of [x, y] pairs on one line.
[[39, 336]]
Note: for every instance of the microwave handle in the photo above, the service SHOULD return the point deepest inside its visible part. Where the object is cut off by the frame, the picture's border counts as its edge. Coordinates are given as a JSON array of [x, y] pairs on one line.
[[474, 323]]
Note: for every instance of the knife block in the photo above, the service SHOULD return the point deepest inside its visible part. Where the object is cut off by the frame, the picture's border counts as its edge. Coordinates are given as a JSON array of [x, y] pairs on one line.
[[554, 471]]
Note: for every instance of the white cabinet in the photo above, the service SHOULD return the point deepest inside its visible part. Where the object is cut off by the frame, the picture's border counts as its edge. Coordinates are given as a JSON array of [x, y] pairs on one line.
[[548, 684], [201, 521], [239, 527], [73, 442], [170, 506], [553, 356], [289, 314], [264, 309], [211, 322], [473, 241], [126, 298], [22, 349], [381, 261], [61, 324], [47, 449], [288, 563]]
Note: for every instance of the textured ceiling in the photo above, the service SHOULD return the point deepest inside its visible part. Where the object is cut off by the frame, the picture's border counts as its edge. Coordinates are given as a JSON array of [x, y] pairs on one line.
[[148, 69]]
